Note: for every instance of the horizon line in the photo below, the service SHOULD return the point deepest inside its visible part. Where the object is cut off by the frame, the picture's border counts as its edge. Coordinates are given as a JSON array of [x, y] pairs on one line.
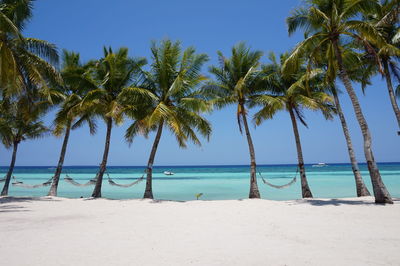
[[182, 165]]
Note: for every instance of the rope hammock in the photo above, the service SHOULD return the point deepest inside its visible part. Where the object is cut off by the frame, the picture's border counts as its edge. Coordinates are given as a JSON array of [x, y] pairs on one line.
[[73, 182], [111, 182], [282, 186], [21, 184]]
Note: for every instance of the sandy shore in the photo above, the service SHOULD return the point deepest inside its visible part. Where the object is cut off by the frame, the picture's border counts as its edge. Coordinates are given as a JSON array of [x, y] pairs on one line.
[[58, 231]]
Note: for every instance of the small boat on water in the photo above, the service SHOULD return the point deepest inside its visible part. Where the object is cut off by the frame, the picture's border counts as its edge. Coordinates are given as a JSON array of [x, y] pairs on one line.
[[319, 165], [168, 173]]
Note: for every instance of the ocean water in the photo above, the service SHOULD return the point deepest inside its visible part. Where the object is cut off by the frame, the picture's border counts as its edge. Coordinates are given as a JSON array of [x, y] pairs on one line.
[[215, 182]]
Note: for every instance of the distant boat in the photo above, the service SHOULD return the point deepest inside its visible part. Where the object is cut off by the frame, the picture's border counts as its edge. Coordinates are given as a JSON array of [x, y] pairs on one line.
[[168, 173], [319, 165]]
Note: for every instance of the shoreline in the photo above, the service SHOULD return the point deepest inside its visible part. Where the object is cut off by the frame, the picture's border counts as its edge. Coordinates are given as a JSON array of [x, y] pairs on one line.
[[364, 200], [62, 231]]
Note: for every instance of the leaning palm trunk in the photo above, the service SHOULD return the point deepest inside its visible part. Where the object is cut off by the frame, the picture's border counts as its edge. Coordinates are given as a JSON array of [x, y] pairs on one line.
[[97, 189], [305, 189], [56, 178], [391, 92], [254, 192], [360, 186], [380, 192], [4, 192], [148, 193]]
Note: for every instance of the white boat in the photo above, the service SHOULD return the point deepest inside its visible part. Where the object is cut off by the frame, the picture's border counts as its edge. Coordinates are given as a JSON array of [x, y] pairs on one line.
[[319, 165], [168, 173]]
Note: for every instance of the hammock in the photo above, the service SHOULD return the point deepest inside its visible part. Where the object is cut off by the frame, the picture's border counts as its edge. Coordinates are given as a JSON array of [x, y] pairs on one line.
[[21, 184], [73, 182], [111, 182], [282, 186]]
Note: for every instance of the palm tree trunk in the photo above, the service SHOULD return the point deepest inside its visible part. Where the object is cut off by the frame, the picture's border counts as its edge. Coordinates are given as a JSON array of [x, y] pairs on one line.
[[380, 192], [4, 192], [56, 177], [392, 96], [254, 192], [148, 193], [360, 186], [97, 189], [305, 189]]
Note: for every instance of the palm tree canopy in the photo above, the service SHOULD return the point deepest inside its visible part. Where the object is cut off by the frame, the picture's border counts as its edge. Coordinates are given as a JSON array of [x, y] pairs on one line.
[[7, 26], [174, 81], [385, 19], [328, 22], [112, 85], [74, 87], [18, 11], [357, 65], [236, 79], [291, 90], [20, 120], [24, 62]]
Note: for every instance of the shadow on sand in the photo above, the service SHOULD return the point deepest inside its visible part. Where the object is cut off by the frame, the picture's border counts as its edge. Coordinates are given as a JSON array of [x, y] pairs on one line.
[[7, 206], [339, 202], [9, 199]]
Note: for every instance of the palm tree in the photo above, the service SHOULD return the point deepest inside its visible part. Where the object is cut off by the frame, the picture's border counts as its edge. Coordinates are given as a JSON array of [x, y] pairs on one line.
[[385, 19], [111, 79], [326, 23], [74, 88], [24, 61], [358, 72], [292, 92], [361, 188], [237, 79], [177, 101], [20, 120]]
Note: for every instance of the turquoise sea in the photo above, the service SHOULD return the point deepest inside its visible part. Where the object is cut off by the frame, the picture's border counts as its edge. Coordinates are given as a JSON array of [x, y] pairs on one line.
[[215, 182]]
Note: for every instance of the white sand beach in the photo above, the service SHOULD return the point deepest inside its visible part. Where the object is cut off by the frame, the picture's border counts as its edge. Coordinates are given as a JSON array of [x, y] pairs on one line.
[[58, 231]]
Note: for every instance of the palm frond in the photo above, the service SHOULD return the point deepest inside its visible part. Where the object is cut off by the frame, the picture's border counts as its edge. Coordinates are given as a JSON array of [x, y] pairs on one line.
[[43, 49]]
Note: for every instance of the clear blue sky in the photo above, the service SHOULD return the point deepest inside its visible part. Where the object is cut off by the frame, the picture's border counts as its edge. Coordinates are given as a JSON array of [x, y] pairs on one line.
[[85, 26]]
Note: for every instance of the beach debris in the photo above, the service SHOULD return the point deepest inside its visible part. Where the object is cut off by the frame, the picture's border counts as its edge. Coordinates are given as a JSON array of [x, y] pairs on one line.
[[198, 195]]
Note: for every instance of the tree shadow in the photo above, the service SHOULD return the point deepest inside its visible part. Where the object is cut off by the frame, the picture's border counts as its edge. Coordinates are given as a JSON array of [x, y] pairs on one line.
[[10, 199], [193, 200], [133, 199], [165, 201], [339, 202], [12, 208], [10, 204]]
